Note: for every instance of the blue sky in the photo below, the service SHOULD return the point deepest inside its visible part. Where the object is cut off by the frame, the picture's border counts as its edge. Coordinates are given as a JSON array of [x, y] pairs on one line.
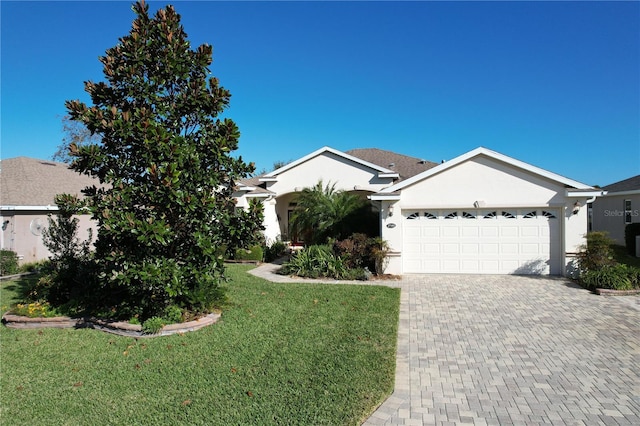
[[554, 84]]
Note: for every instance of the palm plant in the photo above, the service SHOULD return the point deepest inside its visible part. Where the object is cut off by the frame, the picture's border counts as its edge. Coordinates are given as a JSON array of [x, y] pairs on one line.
[[323, 212]]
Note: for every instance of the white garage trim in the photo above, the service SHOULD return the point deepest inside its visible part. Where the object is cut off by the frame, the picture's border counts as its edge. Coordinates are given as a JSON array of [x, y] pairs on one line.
[[482, 241]]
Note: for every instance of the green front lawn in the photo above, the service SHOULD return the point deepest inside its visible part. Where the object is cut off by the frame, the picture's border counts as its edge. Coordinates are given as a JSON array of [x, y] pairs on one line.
[[281, 354], [622, 256]]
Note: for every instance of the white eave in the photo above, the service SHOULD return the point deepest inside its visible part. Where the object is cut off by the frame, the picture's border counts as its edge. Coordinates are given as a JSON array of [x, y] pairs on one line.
[[29, 208], [384, 197], [622, 193], [588, 194]]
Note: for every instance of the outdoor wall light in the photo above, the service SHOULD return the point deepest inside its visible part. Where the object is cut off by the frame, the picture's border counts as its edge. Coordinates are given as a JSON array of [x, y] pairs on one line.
[[576, 207], [390, 210]]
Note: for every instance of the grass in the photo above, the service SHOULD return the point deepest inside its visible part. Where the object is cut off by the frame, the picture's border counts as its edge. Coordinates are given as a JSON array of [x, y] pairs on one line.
[[281, 354], [621, 255]]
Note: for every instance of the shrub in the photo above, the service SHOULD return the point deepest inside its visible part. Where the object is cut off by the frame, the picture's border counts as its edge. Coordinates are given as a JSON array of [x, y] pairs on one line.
[[615, 277], [597, 253], [355, 251], [39, 265], [359, 251], [321, 261], [153, 325], [8, 262], [630, 232], [276, 250], [253, 253]]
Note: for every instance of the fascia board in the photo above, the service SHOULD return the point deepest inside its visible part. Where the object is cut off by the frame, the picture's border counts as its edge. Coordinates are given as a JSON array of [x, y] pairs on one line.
[[622, 193], [582, 194], [384, 197], [29, 208]]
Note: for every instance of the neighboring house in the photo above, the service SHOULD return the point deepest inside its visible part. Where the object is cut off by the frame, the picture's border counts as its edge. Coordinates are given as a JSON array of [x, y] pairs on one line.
[[482, 212], [616, 209], [27, 191]]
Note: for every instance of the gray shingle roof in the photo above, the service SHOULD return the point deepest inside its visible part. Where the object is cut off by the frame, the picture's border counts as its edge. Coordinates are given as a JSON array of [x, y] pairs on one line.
[[631, 184], [405, 166], [31, 182]]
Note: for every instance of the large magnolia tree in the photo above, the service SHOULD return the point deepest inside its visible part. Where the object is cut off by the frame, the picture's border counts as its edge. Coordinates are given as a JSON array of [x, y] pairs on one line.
[[165, 209]]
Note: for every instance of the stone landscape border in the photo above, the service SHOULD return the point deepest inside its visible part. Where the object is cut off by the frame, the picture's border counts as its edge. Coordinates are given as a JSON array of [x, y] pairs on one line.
[[115, 327], [609, 292]]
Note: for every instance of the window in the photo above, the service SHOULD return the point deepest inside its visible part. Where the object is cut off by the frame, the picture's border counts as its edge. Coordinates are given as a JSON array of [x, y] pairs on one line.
[[530, 215], [490, 215], [508, 215], [627, 211], [413, 216], [430, 215], [548, 214], [468, 215], [451, 215]]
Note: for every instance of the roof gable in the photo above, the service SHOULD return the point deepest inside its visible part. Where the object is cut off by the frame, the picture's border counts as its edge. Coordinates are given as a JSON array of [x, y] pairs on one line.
[[382, 171], [481, 151]]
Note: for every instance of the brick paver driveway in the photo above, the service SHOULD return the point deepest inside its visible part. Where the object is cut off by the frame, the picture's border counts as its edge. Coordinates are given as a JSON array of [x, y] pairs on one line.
[[513, 350]]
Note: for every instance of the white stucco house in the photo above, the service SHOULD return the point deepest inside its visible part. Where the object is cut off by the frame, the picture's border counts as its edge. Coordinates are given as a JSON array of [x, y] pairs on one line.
[[618, 207], [481, 213]]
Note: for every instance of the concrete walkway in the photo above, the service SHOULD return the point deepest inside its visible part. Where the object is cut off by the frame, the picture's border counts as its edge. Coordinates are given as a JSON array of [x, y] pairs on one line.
[[489, 350]]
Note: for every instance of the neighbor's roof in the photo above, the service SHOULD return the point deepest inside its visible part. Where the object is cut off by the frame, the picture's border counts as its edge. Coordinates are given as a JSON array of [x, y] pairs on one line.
[[631, 184], [404, 165], [31, 182]]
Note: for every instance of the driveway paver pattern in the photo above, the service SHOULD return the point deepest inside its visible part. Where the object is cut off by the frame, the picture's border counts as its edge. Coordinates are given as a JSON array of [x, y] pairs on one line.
[[489, 350], [501, 350]]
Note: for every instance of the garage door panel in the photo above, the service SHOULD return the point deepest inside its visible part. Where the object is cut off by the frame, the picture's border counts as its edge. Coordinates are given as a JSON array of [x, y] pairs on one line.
[[470, 231], [530, 249], [509, 231], [489, 231], [509, 248], [450, 248], [470, 248], [477, 242], [450, 231], [530, 231]]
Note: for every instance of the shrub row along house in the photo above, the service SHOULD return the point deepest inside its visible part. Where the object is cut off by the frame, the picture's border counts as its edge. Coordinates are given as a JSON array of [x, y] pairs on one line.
[[482, 212]]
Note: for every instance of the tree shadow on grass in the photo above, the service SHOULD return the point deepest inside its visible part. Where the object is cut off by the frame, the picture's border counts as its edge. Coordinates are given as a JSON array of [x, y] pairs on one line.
[[17, 289]]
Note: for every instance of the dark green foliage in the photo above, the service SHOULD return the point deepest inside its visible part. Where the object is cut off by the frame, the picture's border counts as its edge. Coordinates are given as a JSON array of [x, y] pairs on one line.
[[66, 282], [616, 277], [631, 231], [597, 253], [315, 262], [8, 262], [347, 259], [322, 212], [360, 251], [599, 269], [164, 159], [253, 253], [275, 251]]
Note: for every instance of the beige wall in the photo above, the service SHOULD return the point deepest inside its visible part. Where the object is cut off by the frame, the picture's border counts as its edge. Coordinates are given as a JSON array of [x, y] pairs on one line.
[[20, 232]]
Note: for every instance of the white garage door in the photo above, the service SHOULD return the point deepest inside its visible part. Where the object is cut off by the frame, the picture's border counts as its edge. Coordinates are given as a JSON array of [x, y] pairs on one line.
[[495, 241]]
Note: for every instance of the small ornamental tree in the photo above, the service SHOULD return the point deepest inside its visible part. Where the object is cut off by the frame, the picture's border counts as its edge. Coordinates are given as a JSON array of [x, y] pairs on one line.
[[165, 209]]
